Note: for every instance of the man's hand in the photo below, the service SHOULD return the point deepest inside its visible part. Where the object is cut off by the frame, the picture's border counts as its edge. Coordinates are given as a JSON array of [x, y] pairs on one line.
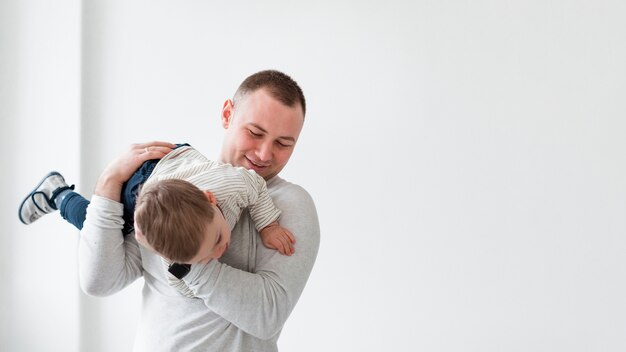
[[276, 237], [110, 183]]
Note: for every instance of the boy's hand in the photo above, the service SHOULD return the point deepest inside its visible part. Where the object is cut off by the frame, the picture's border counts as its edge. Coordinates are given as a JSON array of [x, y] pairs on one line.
[[276, 237]]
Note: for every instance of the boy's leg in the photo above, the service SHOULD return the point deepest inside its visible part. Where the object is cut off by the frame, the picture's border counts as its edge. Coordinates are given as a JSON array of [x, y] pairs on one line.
[[73, 208], [131, 188], [53, 193], [42, 200]]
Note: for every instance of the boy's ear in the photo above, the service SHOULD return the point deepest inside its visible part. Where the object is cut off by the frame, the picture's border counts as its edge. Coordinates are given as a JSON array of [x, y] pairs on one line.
[[211, 197], [140, 237]]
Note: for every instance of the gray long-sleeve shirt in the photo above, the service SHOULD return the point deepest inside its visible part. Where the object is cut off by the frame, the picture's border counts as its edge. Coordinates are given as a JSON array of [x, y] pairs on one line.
[[243, 300]]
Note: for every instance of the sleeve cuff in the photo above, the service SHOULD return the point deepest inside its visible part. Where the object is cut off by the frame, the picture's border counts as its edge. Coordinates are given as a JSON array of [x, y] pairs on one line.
[[109, 212]]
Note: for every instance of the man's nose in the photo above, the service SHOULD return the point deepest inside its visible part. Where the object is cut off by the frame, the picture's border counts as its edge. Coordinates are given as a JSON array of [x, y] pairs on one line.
[[264, 151]]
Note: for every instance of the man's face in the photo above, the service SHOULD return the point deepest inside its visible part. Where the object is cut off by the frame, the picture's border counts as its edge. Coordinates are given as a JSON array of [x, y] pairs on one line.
[[261, 133]]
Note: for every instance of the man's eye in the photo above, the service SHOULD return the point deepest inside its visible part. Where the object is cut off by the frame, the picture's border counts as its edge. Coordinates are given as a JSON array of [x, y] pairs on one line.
[[254, 134], [284, 145]]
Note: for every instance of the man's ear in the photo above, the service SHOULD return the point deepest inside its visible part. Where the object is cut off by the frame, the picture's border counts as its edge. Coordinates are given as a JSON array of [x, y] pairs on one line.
[[211, 197], [227, 113]]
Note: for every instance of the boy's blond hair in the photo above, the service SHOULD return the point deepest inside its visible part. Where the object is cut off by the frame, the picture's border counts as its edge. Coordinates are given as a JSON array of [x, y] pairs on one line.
[[173, 216]]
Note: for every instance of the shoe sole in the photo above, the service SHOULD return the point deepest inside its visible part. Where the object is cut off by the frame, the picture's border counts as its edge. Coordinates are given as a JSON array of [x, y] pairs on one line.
[[19, 210]]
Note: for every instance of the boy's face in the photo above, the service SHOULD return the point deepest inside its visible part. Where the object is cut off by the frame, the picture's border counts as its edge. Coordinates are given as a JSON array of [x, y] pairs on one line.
[[214, 244], [216, 239], [261, 133]]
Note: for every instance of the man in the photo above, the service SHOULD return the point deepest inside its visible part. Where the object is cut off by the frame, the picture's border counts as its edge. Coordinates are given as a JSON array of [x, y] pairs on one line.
[[242, 300]]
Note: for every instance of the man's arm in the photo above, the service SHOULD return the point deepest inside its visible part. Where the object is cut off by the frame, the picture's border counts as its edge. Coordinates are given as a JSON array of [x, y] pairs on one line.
[[259, 303], [108, 261]]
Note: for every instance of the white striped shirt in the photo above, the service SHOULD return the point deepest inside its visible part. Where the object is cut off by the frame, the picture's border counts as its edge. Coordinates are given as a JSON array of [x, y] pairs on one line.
[[235, 188]]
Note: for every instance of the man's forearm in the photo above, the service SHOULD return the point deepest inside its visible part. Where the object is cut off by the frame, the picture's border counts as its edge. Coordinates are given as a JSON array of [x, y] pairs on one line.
[[255, 303], [109, 187], [260, 302], [107, 260]]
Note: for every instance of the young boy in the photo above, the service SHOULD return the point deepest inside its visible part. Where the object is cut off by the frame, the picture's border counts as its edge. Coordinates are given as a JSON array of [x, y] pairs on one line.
[[171, 216]]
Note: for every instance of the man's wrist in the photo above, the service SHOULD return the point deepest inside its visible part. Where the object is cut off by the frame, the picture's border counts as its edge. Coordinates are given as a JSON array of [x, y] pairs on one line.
[[108, 187]]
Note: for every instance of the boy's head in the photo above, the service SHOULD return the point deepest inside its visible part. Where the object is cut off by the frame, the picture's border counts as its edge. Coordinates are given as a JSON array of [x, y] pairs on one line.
[[180, 222]]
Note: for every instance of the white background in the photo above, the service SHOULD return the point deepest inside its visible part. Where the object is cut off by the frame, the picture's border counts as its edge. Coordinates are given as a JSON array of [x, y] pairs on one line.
[[466, 159]]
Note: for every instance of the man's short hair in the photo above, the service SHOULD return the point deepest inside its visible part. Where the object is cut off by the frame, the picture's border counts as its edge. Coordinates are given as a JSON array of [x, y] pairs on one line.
[[173, 215], [280, 86]]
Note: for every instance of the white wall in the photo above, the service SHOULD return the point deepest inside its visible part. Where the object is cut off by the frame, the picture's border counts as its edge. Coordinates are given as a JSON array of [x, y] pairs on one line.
[[466, 159], [39, 124]]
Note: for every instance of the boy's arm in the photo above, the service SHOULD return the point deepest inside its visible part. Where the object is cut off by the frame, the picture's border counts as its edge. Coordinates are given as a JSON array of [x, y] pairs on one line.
[[279, 238], [260, 302], [261, 206], [265, 214]]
